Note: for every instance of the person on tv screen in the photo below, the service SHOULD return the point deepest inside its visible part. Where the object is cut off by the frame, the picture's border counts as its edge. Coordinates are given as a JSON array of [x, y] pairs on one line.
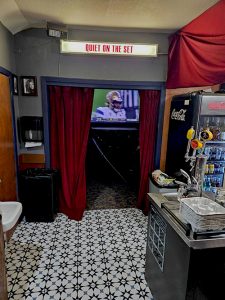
[[113, 109]]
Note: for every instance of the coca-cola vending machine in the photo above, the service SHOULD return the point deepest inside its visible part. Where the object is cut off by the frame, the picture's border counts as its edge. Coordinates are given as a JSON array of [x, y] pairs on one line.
[[201, 110]]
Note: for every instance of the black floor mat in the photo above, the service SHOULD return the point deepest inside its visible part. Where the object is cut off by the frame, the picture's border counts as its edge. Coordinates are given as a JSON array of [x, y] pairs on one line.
[[103, 195]]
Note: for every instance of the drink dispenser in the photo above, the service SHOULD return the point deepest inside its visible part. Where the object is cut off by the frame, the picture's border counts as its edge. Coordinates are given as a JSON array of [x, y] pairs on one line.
[[30, 129]]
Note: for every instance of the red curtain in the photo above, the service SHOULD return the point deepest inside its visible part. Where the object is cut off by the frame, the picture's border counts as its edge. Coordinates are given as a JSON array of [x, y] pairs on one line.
[[70, 115], [149, 108], [197, 51]]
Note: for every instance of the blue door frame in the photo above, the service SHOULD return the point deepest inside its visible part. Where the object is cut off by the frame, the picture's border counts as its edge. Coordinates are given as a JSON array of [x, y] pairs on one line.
[[107, 84]]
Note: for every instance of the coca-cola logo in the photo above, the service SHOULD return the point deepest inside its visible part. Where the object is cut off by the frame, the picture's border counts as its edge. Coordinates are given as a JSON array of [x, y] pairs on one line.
[[178, 115], [216, 105]]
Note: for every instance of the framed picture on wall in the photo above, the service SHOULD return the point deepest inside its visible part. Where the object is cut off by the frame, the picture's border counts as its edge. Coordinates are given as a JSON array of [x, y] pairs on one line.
[[15, 84], [29, 85]]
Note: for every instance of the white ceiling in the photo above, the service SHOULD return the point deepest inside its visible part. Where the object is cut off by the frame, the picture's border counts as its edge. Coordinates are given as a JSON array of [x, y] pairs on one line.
[[153, 15]]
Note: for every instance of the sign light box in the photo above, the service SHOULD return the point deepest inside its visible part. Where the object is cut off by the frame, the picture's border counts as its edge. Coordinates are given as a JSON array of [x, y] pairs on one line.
[[77, 47]]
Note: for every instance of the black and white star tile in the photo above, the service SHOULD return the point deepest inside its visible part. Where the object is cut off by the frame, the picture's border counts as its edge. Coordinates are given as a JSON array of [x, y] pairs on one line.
[[101, 257]]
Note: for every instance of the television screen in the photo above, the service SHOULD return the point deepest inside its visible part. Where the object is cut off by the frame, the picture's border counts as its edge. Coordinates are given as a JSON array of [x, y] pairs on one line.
[[115, 106]]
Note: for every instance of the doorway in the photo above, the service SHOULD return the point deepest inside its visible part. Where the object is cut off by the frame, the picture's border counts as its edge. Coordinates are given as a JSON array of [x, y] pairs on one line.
[[112, 167], [141, 87], [112, 162]]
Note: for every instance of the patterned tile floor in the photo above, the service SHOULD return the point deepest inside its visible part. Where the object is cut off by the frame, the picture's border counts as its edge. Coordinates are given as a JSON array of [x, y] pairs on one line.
[[101, 257]]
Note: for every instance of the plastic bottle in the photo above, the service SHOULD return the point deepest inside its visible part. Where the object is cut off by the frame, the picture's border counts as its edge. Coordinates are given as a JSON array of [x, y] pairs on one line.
[[213, 153], [218, 153], [204, 184], [222, 154], [213, 184], [208, 184], [216, 168], [218, 181], [221, 169], [211, 169], [207, 152]]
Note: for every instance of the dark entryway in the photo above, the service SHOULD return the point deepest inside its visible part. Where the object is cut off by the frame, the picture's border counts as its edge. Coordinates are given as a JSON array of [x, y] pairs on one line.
[[112, 166]]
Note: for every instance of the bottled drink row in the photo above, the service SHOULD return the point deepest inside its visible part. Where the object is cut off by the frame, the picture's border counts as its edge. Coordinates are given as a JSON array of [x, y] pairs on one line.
[[211, 183], [216, 125], [214, 168], [215, 153]]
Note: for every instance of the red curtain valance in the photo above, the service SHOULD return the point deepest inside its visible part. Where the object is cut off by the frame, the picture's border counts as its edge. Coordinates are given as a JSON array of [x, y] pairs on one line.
[[197, 51]]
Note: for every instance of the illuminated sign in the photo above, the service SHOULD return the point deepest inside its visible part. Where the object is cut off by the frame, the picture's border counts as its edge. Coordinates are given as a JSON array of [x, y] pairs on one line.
[[76, 47]]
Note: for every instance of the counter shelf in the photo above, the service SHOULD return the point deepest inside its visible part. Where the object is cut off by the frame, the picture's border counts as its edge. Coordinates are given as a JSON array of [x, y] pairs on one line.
[[180, 264]]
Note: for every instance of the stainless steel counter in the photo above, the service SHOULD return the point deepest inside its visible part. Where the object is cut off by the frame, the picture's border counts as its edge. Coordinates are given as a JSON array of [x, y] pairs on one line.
[[217, 241], [178, 266]]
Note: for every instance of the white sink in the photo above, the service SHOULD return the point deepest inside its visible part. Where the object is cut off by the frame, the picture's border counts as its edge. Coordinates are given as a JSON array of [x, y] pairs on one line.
[[10, 212]]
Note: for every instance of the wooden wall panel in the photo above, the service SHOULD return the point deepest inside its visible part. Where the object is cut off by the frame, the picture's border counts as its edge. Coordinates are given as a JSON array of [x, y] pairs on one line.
[[31, 161], [7, 158]]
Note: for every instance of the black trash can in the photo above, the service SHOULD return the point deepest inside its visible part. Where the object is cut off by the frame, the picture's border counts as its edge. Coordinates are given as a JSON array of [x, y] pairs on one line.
[[38, 192]]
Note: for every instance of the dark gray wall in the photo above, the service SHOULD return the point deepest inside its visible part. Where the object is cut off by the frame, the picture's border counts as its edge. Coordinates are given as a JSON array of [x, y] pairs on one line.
[[37, 54], [7, 58]]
